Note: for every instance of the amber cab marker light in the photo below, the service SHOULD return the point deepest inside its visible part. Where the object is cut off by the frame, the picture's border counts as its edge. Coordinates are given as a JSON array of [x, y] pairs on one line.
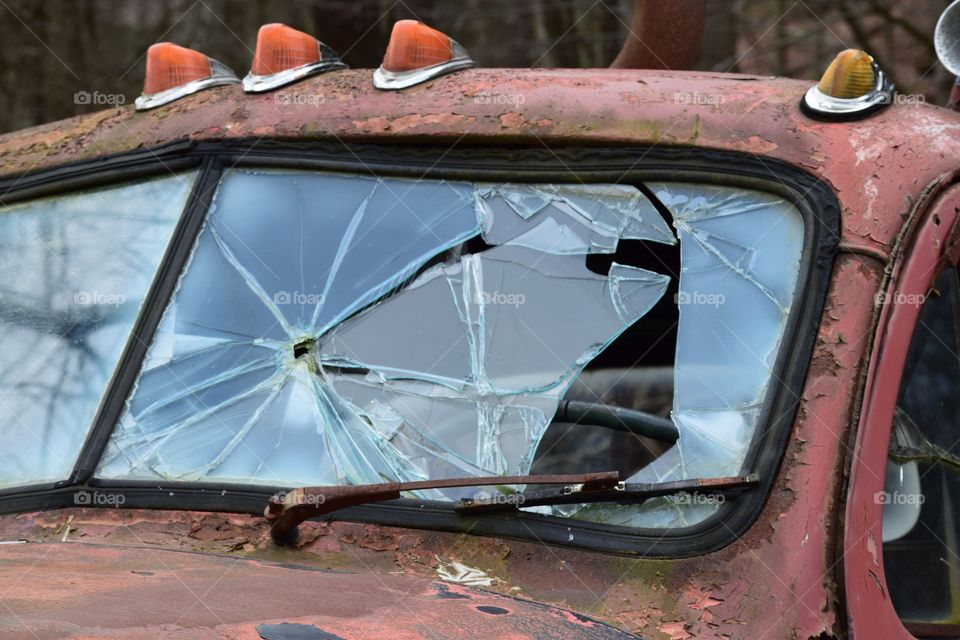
[[174, 71], [851, 87], [285, 55], [416, 53]]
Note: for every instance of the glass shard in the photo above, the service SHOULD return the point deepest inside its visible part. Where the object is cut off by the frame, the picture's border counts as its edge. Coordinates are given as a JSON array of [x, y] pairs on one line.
[[335, 329], [741, 252]]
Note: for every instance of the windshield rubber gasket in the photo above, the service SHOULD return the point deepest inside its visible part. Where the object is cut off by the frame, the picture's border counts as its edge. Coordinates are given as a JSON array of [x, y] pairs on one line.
[[637, 166], [162, 289]]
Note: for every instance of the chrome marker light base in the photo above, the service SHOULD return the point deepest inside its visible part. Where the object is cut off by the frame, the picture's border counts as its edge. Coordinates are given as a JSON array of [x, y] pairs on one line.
[[220, 75], [819, 105], [329, 61], [393, 80], [259, 84]]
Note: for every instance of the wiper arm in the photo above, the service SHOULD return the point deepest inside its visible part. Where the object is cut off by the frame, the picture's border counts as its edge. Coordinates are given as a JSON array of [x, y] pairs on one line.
[[286, 510], [621, 492]]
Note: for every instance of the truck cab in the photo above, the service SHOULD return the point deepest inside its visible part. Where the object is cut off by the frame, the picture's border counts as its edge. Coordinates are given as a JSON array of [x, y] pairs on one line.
[[497, 352]]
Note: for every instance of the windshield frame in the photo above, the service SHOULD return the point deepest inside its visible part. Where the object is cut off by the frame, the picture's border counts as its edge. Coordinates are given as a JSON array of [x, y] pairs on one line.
[[812, 198]]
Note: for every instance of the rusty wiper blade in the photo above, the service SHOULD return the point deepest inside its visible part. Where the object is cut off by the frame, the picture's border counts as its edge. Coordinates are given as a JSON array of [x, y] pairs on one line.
[[287, 509], [694, 488]]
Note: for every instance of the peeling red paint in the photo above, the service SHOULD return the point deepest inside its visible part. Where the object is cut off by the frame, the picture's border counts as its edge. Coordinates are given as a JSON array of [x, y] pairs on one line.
[[778, 579], [900, 149], [163, 593], [755, 145], [871, 612], [675, 630]]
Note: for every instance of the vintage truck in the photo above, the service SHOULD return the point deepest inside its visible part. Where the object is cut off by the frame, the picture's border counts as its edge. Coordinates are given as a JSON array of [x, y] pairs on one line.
[[695, 372]]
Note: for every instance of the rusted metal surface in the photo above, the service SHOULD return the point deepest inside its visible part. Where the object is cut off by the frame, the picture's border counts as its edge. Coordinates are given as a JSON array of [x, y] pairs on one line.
[[168, 594], [871, 610], [877, 166], [287, 510], [777, 580]]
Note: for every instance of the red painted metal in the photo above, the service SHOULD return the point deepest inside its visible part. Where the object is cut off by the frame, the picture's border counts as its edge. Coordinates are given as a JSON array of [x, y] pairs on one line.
[[782, 578], [185, 596], [869, 608], [877, 166]]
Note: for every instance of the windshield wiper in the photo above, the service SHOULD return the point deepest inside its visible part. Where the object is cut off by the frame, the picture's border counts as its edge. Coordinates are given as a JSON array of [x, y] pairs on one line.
[[287, 509], [621, 492]]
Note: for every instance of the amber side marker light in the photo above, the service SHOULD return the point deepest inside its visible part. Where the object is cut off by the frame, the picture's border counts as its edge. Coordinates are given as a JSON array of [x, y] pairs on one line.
[[417, 53], [851, 87], [174, 71], [285, 55]]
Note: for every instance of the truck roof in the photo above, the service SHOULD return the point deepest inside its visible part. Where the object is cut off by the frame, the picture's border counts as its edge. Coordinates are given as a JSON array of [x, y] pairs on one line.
[[879, 167]]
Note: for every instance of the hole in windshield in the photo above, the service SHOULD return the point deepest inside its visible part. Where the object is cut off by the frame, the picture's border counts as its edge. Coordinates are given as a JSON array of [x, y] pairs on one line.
[[423, 329], [302, 347]]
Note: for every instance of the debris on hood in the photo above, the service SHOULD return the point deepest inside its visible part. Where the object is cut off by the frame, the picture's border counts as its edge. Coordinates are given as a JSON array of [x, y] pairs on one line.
[[459, 573]]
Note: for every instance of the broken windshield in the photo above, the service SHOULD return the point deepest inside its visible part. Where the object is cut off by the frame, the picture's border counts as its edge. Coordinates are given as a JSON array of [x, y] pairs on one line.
[[335, 329], [75, 270], [740, 260]]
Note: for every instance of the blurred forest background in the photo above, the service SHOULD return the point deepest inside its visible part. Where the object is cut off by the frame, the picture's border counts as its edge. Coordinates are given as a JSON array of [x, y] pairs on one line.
[[51, 49]]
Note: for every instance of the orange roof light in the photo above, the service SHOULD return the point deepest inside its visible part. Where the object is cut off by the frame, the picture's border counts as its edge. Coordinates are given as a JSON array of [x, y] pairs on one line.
[[170, 66], [851, 87], [850, 75], [414, 45], [417, 53], [174, 71], [284, 55]]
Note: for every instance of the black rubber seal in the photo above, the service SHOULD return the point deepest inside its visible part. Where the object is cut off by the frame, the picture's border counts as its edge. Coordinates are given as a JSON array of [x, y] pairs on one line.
[[637, 166]]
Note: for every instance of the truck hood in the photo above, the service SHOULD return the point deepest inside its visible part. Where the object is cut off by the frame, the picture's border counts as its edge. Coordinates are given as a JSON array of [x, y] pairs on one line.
[[81, 590]]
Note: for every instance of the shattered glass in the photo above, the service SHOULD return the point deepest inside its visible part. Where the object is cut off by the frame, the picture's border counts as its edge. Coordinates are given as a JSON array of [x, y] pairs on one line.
[[74, 271], [342, 329], [740, 258], [334, 328]]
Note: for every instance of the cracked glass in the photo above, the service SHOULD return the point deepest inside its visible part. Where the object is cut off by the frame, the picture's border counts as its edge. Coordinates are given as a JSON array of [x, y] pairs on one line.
[[75, 271], [332, 328], [740, 256]]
